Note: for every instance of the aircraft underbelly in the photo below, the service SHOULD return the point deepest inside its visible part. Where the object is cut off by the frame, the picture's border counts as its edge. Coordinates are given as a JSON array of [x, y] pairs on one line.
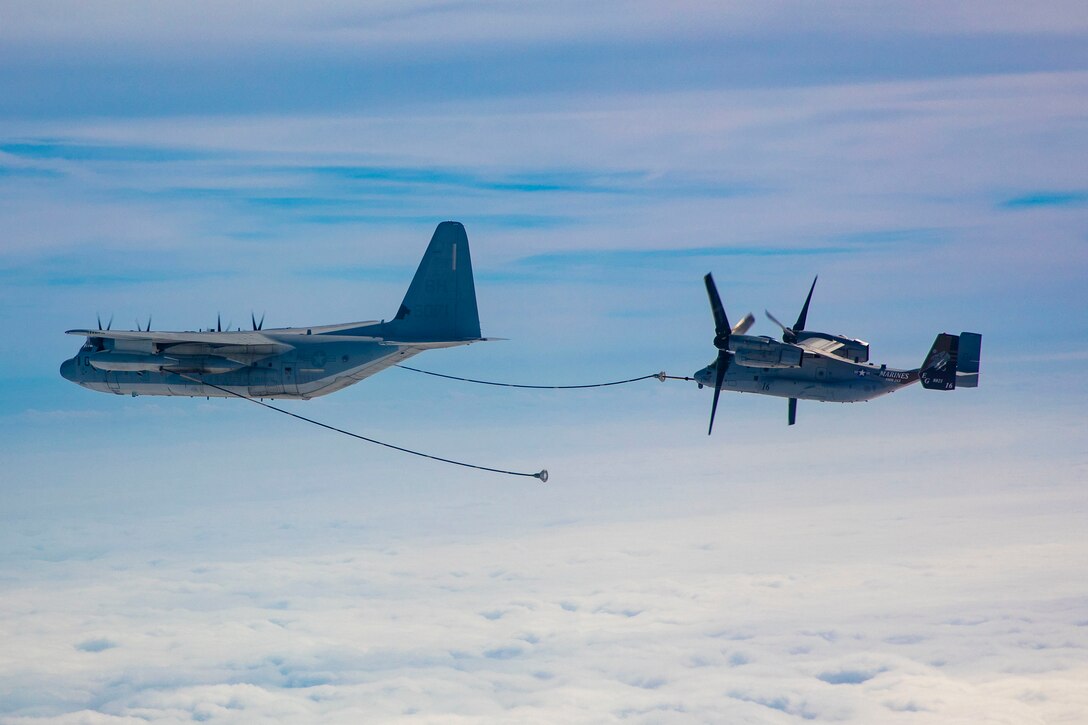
[[318, 371], [783, 385], [325, 384]]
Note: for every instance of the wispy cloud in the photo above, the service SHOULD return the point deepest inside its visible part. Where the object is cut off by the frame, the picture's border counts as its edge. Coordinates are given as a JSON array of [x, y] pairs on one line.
[[26, 172], [69, 151], [108, 268], [847, 243], [1046, 199], [643, 257]]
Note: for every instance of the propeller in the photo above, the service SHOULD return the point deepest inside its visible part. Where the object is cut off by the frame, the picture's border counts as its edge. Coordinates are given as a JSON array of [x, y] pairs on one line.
[[745, 323], [789, 334], [108, 324], [722, 332], [218, 323], [141, 329], [256, 325]]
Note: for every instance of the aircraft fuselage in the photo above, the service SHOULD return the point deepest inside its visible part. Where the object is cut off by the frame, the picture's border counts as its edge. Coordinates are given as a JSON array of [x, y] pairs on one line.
[[312, 365], [439, 310], [819, 377]]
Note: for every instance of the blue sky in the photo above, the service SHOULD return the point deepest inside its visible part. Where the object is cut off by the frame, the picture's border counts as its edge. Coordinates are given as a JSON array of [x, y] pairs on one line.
[[176, 559]]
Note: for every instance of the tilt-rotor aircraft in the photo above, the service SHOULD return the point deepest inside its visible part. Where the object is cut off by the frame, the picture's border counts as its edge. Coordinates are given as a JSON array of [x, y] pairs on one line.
[[817, 366], [438, 311]]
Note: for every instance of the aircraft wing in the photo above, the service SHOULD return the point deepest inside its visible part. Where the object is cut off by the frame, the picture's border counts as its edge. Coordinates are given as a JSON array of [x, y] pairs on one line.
[[821, 346], [225, 344], [173, 338]]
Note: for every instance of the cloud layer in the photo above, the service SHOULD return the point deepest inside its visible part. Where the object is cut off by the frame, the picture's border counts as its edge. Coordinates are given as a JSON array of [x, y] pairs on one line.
[[935, 609]]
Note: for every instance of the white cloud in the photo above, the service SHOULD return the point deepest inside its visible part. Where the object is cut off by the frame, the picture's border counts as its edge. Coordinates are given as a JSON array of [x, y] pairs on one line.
[[344, 25], [915, 609]]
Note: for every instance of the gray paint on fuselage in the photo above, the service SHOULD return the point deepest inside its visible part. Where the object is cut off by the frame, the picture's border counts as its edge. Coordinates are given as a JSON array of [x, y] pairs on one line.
[[812, 365], [439, 310], [315, 365], [821, 377]]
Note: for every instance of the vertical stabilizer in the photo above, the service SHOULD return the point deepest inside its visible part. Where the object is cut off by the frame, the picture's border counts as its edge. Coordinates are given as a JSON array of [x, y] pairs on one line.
[[441, 301], [939, 370]]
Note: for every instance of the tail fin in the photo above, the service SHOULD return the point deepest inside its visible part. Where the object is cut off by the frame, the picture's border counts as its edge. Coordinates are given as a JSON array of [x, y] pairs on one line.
[[939, 370], [970, 353], [441, 301]]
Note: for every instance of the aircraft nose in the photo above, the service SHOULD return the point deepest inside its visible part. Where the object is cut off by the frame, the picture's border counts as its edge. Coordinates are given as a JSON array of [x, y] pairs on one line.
[[68, 369]]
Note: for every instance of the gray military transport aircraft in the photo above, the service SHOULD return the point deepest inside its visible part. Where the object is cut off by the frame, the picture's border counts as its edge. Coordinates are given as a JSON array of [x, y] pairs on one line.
[[438, 311], [818, 366]]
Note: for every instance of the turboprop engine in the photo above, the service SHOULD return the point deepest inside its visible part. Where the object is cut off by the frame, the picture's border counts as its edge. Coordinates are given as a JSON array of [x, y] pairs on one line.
[[135, 362], [763, 352], [129, 361]]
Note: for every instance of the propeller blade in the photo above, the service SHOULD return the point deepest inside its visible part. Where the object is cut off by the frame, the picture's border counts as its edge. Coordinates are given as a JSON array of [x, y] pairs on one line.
[[138, 328], [719, 377], [793, 410], [774, 319], [721, 322], [99, 318], [149, 323], [745, 323], [260, 325], [788, 335], [218, 323], [110, 323], [803, 317]]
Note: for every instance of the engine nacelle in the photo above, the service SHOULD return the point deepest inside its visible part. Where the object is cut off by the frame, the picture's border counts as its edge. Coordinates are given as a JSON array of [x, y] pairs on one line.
[[855, 350], [763, 352], [135, 362], [129, 362], [206, 364]]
